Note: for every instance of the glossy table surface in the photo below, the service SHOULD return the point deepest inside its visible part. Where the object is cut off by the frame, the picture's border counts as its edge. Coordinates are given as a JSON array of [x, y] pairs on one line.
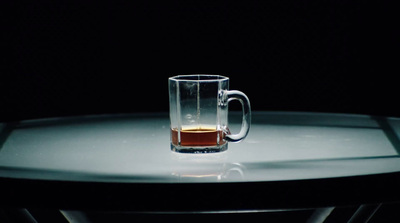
[[134, 149]]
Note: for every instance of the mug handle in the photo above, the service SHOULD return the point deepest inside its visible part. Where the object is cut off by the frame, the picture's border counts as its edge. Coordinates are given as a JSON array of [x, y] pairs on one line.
[[246, 118]]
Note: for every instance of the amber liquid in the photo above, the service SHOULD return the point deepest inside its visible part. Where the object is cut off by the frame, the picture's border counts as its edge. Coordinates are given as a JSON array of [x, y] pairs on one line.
[[198, 137]]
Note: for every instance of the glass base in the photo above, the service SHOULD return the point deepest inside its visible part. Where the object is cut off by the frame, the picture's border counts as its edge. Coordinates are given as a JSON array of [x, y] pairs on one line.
[[199, 149]]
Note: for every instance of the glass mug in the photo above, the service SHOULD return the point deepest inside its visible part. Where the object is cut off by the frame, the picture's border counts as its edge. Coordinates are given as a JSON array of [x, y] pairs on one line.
[[199, 113]]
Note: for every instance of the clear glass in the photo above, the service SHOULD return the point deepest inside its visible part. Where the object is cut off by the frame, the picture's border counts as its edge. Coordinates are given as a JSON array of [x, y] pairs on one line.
[[199, 113]]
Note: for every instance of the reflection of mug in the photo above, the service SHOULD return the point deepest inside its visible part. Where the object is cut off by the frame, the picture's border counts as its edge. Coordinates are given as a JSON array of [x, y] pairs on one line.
[[199, 113], [211, 167]]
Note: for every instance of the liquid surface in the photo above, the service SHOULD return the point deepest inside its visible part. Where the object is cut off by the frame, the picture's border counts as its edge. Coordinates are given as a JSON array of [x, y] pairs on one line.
[[198, 137]]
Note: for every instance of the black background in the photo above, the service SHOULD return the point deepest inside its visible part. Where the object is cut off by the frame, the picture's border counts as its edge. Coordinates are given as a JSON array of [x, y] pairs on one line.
[[77, 58]]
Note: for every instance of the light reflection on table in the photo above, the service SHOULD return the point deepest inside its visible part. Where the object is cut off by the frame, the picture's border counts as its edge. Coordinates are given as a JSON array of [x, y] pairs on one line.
[[135, 148]]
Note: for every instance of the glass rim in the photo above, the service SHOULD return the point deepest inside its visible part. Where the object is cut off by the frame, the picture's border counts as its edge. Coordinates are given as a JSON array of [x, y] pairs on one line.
[[199, 77]]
